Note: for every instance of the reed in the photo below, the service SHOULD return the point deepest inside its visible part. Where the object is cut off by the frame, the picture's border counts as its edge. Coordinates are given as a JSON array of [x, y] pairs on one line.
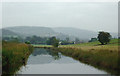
[[14, 55]]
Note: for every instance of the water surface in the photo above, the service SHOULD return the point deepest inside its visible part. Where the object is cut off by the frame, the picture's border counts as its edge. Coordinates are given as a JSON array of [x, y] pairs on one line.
[[44, 61]]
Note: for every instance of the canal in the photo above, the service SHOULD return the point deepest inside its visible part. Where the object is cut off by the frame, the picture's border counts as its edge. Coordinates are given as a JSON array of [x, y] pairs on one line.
[[45, 61]]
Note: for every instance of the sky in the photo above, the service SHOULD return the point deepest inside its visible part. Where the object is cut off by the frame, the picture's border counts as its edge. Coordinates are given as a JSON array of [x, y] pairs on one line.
[[94, 16], [59, 0]]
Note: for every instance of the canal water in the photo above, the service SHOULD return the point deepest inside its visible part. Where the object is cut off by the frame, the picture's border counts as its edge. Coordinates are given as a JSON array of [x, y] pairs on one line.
[[44, 61]]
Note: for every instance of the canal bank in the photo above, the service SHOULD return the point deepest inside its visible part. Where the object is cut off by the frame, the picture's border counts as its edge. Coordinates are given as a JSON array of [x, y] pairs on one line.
[[104, 57], [14, 55]]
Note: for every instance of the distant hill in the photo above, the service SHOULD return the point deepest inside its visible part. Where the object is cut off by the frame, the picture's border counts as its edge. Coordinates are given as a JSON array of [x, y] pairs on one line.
[[8, 33], [38, 31], [80, 33], [59, 32], [29, 31]]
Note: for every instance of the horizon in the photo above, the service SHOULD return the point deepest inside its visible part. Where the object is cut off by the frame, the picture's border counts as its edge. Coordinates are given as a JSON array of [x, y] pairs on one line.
[[57, 27]]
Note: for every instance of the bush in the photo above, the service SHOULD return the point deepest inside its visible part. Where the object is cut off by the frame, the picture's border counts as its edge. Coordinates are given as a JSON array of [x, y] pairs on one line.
[[27, 42]]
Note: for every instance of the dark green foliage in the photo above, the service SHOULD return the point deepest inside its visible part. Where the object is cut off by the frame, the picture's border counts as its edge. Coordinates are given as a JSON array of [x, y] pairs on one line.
[[93, 39], [50, 41], [104, 37], [66, 42], [36, 40], [53, 41], [12, 39], [27, 42]]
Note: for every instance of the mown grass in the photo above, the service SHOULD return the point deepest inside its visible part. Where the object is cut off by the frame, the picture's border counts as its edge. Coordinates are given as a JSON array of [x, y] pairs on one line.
[[14, 55]]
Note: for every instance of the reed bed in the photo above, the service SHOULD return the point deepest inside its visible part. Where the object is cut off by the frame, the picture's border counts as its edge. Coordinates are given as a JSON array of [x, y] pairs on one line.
[[14, 55]]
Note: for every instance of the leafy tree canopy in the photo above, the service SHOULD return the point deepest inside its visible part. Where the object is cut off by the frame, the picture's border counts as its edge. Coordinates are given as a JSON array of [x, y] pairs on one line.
[[53, 41], [104, 37]]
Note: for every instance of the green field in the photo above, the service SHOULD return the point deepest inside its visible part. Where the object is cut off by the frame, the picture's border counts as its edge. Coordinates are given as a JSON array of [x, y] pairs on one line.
[[113, 46]]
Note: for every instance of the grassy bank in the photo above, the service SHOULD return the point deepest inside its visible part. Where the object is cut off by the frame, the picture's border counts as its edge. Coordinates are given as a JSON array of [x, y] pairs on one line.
[[101, 56], [104, 57], [14, 55]]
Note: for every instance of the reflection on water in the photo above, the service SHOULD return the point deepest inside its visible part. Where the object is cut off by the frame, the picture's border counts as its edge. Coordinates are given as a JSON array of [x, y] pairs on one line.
[[43, 51], [43, 56], [44, 61]]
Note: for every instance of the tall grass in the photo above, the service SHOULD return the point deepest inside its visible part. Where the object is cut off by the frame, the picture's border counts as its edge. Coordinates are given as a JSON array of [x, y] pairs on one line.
[[14, 55], [105, 57]]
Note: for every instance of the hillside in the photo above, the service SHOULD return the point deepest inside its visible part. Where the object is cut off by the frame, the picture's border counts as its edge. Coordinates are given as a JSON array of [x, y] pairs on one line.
[[8, 33], [59, 32], [80, 33], [38, 31], [29, 31]]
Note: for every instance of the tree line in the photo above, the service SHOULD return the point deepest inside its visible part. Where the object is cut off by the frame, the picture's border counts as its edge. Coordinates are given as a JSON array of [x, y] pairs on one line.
[[103, 38]]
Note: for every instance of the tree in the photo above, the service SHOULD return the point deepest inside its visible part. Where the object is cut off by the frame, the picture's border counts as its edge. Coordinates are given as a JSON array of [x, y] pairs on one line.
[[50, 40], [53, 41], [36, 39], [104, 37], [27, 42]]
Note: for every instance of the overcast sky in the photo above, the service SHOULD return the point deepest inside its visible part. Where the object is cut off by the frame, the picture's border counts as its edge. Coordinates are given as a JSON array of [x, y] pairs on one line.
[[59, 0], [93, 16]]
